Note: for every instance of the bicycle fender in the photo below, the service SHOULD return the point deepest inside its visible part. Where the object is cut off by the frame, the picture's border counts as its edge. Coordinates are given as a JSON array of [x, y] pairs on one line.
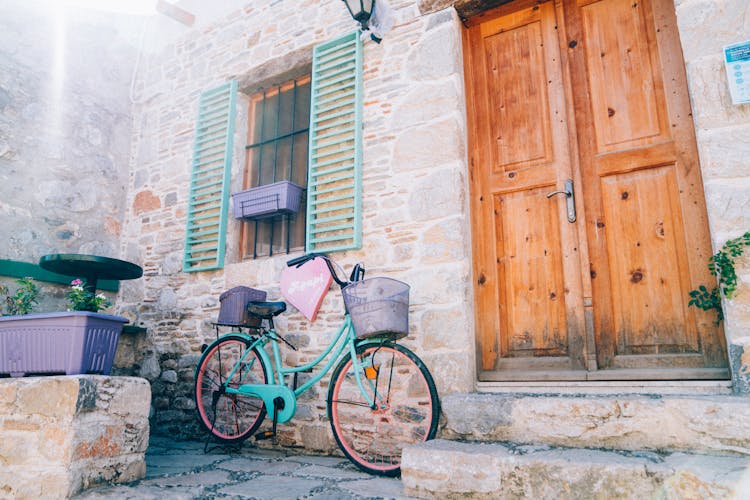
[[268, 393]]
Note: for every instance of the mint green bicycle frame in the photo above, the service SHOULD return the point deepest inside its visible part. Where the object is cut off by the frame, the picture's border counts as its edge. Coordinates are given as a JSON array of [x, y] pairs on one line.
[[276, 373]]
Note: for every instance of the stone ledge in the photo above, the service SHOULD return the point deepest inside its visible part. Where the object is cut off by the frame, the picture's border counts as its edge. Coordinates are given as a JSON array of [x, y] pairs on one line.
[[62, 434], [451, 469], [703, 424]]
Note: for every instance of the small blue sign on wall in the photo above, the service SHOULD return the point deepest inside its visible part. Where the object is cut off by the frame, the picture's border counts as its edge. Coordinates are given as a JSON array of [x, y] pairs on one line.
[[737, 64]]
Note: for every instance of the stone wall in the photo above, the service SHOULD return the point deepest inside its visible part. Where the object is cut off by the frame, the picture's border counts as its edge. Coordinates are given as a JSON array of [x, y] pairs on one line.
[[63, 434], [415, 226], [723, 135], [65, 131], [416, 221]]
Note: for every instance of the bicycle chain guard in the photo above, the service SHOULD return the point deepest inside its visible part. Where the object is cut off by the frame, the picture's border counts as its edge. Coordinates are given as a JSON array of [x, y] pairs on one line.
[[268, 393]]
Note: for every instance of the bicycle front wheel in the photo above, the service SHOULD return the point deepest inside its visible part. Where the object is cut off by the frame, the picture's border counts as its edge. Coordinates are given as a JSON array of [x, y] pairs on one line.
[[229, 417], [406, 407]]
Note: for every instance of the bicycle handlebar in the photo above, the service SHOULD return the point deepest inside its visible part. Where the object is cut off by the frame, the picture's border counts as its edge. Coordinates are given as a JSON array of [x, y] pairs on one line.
[[298, 261]]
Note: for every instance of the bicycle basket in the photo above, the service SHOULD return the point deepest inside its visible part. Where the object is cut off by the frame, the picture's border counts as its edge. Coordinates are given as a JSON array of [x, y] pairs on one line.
[[233, 310], [379, 307]]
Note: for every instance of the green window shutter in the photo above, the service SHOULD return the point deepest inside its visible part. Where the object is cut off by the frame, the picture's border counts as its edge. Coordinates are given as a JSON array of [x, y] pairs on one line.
[[334, 185], [209, 182]]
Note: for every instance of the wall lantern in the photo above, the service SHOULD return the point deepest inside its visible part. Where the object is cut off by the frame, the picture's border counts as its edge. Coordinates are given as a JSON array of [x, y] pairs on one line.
[[361, 10]]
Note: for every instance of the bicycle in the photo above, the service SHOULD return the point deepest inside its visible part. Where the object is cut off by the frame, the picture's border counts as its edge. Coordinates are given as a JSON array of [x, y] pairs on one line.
[[381, 397]]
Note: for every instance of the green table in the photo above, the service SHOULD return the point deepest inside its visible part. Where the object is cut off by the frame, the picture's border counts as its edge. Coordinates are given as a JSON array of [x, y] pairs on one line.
[[90, 267]]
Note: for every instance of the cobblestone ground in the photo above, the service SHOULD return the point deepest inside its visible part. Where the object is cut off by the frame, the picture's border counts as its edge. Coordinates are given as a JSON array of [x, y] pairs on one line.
[[180, 469]]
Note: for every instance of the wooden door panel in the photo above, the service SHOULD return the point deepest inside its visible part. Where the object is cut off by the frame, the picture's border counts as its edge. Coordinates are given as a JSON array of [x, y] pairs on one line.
[[627, 98], [646, 252], [532, 305], [519, 124]]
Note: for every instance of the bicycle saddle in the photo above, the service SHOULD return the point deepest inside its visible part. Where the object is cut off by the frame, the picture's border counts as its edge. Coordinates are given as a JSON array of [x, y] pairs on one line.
[[266, 310]]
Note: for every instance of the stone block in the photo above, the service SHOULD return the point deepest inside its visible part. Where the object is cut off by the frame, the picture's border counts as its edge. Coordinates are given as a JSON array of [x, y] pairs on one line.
[[86, 429], [706, 26], [443, 328], [437, 195], [445, 469], [728, 205], [450, 370], [427, 103], [52, 483], [7, 394], [739, 362], [317, 437], [446, 241], [424, 146], [709, 95], [706, 424], [49, 396], [437, 54], [724, 152], [444, 284]]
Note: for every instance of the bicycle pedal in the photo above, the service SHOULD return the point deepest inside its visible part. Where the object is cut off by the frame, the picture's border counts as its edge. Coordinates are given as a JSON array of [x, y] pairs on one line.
[[264, 435]]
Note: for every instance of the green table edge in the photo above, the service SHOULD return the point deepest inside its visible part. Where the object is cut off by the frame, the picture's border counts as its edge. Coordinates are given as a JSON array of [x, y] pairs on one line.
[[18, 269]]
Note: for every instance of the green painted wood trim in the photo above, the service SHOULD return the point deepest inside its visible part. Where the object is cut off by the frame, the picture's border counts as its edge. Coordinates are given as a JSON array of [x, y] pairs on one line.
[[209, 180], [336, 93], [18, 269]]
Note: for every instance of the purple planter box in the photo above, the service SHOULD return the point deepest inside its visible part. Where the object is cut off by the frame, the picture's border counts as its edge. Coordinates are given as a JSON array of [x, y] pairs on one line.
[[266, 201], [65, 342]]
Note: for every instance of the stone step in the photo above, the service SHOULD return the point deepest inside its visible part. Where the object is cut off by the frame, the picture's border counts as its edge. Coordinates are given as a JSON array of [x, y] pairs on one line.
[[453, 469], [710, 424]]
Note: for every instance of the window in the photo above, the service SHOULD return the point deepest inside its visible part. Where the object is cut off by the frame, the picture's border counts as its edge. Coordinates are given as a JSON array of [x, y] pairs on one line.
[[277, 150], [311, 126]]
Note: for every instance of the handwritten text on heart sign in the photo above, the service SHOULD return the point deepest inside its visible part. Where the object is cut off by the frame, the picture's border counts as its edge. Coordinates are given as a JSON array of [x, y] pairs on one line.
[[305, 287]]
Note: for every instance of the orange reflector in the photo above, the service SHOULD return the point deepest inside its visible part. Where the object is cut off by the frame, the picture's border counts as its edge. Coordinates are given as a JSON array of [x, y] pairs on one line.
[[371, 372]]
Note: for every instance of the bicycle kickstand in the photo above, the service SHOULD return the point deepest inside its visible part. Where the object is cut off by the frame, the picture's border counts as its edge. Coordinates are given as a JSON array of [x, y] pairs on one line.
[[278, 404]]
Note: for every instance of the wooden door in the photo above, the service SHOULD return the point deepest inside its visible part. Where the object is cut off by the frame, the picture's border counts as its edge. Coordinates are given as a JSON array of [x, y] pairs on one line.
[[593, 91], [526, 259]]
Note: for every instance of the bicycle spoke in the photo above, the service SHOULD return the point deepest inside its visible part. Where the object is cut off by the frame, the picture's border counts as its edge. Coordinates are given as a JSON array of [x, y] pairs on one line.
[[355, 403]]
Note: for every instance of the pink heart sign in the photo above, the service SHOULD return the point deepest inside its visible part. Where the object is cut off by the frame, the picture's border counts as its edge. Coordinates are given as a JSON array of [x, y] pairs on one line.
[[305, 287]]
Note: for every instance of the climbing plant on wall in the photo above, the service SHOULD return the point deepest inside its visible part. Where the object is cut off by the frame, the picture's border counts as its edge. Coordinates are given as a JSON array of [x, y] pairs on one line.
[[721, 265]]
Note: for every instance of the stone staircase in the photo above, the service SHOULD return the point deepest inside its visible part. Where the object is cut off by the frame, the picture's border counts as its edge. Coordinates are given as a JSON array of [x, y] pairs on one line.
[[690, 442]]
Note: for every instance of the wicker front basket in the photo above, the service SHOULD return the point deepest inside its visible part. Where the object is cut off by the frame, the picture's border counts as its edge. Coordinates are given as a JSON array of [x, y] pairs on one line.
[[233, 310], [379, 307]]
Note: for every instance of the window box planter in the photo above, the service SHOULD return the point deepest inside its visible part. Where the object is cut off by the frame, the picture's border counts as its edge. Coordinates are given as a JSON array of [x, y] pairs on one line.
[[71, 342], [267, 201]]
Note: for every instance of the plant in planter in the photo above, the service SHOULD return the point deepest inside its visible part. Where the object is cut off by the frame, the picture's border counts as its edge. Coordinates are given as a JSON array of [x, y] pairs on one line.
[[721, 265], [23, 301], [80, 340], [81, 299]]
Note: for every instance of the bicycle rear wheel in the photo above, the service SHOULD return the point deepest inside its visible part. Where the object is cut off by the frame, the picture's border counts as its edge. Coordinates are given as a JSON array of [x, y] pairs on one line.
[[229, 417], [407, 407]]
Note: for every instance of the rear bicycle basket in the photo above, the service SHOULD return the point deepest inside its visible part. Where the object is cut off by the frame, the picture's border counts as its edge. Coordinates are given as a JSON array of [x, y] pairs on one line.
[[233, 309], [379, 307]]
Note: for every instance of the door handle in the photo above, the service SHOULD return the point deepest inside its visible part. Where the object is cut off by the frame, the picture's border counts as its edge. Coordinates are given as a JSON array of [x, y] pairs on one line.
[[570, 199]]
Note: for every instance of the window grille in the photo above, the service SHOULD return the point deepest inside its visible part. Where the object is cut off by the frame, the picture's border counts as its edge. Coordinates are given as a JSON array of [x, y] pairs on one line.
[[277, 151]]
